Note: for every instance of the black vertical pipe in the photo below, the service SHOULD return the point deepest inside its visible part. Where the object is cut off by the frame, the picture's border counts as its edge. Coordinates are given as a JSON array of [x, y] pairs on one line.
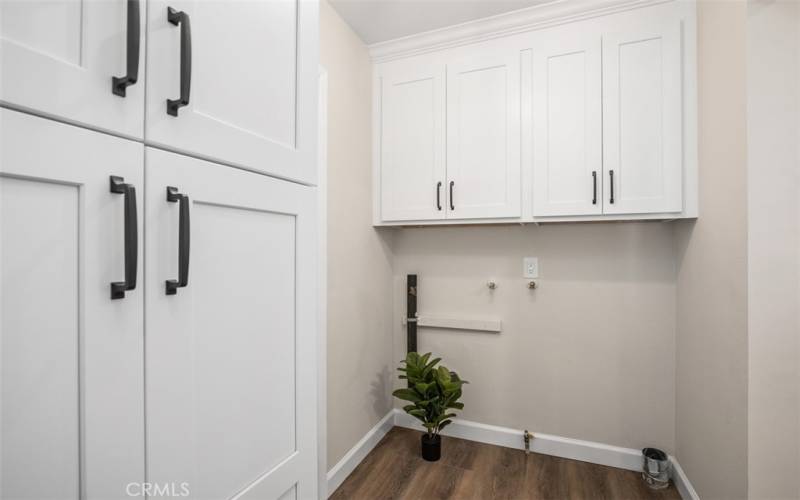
[[411, 312]]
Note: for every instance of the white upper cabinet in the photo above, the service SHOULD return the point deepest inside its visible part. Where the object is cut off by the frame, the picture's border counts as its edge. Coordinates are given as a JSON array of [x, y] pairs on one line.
[[583, 120], [58, 58], [483, 136], [642, 120], [567, 125], [412, 157], [242, 79]]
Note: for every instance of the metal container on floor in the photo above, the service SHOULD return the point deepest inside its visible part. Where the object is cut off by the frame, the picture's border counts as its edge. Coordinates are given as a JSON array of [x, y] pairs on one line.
[[655, 468]]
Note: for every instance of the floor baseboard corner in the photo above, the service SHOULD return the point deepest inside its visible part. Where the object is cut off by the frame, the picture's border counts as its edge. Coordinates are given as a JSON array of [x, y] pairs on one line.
[[359, 452], [681, 481]]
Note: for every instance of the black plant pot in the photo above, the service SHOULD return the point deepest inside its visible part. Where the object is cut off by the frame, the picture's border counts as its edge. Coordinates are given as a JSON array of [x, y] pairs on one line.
[[431, 447]]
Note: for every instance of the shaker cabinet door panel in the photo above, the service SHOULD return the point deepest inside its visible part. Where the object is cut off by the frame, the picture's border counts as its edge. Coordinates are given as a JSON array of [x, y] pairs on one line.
[[567, 125], [412, 172], [58, 58], [72, 408], [243, 78], [642, 120], [483, 136], [231, 352]]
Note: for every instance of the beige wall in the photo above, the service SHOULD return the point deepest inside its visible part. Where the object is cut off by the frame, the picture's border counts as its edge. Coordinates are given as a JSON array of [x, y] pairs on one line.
[[589, 354], [711, 337], [359, 260], [774, 336]]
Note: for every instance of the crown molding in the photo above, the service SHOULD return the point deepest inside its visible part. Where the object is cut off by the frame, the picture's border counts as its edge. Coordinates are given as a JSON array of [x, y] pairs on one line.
[[510, 23]]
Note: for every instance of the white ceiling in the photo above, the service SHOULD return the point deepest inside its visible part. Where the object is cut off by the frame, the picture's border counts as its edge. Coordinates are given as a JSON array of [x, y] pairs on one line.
[[380, 20]]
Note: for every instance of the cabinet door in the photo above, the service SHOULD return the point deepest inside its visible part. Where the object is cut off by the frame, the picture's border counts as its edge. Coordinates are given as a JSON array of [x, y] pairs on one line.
[[231, 356], [567, 125], [253, 82], [642, 113], [483, 137], [72, 409], [58, 58], [412, 143]]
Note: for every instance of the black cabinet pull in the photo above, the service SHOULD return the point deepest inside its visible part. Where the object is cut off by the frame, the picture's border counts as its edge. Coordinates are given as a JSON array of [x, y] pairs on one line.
[[452, 206], [594, 187], [611, 175], [182, 19], [120, 83], [118, 186], [183, 240], [438, 196]]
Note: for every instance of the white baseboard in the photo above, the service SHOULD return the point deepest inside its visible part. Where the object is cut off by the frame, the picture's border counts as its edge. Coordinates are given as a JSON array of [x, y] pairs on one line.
[[547, 444], [681, 481], [357, 453], [557, 446]]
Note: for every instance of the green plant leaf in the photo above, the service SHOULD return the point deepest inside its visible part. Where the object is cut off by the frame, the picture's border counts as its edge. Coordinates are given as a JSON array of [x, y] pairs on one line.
[[421, 419], [407, 395], [433, 363]]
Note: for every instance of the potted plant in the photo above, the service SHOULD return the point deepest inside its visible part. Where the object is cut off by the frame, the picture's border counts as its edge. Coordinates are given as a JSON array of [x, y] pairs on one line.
[[432, 391]]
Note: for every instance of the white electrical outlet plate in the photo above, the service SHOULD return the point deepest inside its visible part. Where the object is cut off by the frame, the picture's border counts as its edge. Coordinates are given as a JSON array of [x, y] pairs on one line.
[[530, 267]]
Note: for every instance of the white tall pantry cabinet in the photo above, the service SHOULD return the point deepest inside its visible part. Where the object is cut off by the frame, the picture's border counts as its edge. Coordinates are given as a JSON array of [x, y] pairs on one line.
[[252, 85], [231, 384], [72, 414], [58, 60], [158, 297]]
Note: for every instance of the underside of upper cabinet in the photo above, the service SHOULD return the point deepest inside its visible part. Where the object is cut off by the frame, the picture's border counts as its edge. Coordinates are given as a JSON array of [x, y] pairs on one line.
[[537, 118]]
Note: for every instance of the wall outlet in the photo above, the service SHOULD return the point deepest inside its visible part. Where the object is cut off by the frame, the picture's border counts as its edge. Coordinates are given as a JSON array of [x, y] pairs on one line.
[[530, 267]]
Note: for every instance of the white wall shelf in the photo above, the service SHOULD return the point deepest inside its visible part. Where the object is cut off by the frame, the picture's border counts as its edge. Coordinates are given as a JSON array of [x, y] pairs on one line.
[[480, 325]]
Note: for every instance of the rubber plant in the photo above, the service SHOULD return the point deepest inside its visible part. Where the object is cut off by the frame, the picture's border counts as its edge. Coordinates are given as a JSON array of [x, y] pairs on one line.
[[433, 393]]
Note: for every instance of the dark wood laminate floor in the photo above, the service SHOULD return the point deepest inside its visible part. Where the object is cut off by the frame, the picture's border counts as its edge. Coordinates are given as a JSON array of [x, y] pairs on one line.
[[477, 471]]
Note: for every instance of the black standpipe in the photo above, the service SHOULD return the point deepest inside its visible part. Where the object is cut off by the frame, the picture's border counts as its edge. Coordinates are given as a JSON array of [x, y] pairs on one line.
[[411, 312]]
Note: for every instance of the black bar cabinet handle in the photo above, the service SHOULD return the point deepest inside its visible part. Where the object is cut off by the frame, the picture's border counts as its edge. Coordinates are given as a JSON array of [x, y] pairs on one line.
[[611, 175], [594, 187], [118, 186], [182, 19], [183, 240], [438, 196], [452, 206], [120, 83]]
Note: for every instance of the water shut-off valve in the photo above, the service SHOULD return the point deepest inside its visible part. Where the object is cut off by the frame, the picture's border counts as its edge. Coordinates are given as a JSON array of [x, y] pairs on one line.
[[527, 436]]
